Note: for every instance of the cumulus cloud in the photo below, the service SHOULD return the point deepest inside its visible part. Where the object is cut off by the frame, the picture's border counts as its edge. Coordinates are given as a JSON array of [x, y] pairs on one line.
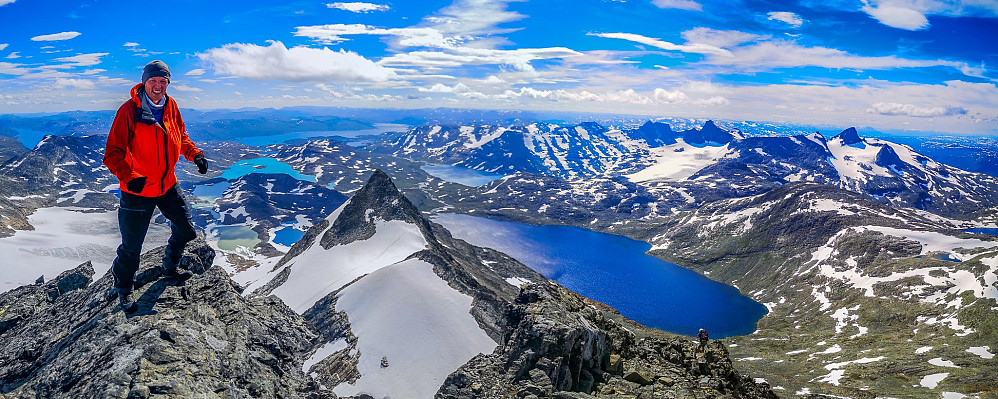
[[789, 18], [84, 84], [913, 110], [276, 61], [698, 48], [680, 4], [669, 96], [358, 7], [56, 36]]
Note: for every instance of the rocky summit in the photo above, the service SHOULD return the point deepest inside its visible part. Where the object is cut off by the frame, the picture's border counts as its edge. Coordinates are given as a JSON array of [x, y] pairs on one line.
[[198, 338]]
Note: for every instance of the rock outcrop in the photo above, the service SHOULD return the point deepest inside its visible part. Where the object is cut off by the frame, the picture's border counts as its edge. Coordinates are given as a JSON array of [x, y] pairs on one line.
[[197, 338], [561, 345]]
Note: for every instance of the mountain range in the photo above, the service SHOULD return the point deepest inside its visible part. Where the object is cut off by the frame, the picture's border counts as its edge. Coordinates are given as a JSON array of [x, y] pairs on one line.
[[855, 245]]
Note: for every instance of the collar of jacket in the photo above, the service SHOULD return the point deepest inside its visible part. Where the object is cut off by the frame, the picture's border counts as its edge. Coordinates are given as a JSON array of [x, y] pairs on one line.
[[143, 112]]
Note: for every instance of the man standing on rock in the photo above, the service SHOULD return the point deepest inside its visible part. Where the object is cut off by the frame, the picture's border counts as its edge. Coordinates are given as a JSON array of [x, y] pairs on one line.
[[146, 140]]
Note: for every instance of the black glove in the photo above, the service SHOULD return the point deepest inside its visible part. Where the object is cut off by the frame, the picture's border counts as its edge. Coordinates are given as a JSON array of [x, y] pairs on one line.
[[201, 162], [137, 184]]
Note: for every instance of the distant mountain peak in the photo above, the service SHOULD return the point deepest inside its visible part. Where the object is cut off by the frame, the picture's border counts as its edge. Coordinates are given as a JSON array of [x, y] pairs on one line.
[[709, 133], [850, 136]]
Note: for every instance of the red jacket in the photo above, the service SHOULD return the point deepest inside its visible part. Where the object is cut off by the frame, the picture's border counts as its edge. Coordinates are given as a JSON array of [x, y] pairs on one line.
[[139, 146]]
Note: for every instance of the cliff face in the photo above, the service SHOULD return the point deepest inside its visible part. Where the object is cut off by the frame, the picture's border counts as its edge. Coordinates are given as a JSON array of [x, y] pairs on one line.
[[561, 345], [198, 338]]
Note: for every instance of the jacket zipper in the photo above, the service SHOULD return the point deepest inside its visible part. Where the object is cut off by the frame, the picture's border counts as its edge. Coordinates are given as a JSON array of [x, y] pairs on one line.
[[166, 161]]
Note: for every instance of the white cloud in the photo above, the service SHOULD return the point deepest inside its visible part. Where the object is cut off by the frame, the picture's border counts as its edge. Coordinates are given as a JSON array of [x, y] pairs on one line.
[[669, 96], [56, 36], [3, 46], [7, 68], [185, 88], [785, 54], [680, 4], [195, 72], [358, 7], [89, 59], [789, 18], [519, 59], [295, 64], [698, 48], [407, 37], [61, 83], [474, 18], [6, 2], [719, 38], [897, 16], [916, 111], [130, 44], [14, 55]]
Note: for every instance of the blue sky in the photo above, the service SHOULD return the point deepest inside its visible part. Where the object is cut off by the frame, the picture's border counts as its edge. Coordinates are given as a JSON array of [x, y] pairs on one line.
[[888, 64]]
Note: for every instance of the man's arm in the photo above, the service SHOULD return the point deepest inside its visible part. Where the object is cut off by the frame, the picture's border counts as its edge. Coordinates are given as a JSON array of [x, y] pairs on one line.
[[117, 145]]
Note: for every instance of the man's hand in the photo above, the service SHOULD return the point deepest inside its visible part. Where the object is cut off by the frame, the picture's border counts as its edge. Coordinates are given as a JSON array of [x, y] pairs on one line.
[[137, 184], [201, 162]]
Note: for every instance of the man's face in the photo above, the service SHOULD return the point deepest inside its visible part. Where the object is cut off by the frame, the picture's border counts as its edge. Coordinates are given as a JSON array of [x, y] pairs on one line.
[[156, 88]]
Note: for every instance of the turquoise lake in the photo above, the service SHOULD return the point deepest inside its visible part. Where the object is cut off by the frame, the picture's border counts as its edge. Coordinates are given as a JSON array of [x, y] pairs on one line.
[[984, 230], [461, 175], [616, 270], [263, 165]]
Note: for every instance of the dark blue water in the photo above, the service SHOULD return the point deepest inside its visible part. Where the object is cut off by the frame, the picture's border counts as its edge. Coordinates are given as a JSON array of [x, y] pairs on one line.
[[616, 271], [984, 230], [288, 236]]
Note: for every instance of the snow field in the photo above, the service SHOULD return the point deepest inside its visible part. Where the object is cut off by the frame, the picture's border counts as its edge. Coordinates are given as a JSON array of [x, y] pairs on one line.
[[63, 239], [408, 315], [678, 162], [318, 272]]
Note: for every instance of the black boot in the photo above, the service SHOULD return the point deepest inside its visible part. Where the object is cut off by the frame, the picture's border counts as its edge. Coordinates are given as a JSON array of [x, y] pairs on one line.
[[125, 302]]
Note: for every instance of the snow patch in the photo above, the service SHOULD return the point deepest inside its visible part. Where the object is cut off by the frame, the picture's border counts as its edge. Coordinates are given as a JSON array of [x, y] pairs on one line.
[[411, 317]]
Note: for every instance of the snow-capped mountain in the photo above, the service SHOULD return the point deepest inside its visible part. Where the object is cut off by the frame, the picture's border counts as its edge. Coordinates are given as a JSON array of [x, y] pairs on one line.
[[570, 152], [416, 306], [701, 165]]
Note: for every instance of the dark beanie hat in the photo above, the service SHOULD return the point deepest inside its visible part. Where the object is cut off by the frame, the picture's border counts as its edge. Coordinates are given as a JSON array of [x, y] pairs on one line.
[[155, 68]]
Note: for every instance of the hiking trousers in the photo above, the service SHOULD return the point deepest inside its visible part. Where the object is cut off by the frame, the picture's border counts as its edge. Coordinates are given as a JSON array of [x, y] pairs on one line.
[[134, 214]]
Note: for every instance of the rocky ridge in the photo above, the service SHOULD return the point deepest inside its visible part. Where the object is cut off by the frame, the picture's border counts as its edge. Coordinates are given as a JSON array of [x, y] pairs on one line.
[[199, 338]]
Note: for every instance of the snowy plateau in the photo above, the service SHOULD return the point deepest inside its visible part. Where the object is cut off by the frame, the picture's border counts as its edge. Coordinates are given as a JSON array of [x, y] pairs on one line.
[[856, 246]]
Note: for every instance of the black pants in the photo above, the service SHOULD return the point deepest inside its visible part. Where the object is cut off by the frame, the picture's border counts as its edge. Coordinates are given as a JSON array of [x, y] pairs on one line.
[[134, 216]]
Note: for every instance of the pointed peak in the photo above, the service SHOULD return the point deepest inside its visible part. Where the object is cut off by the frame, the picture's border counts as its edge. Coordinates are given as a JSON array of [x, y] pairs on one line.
[[709, 133], [379, 199], [849, 136]]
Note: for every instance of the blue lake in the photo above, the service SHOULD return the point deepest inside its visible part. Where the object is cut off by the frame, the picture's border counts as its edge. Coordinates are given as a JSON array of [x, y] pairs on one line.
[[984, 230], [288, 236], [263, 165], [616, 270], [461, 175]]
